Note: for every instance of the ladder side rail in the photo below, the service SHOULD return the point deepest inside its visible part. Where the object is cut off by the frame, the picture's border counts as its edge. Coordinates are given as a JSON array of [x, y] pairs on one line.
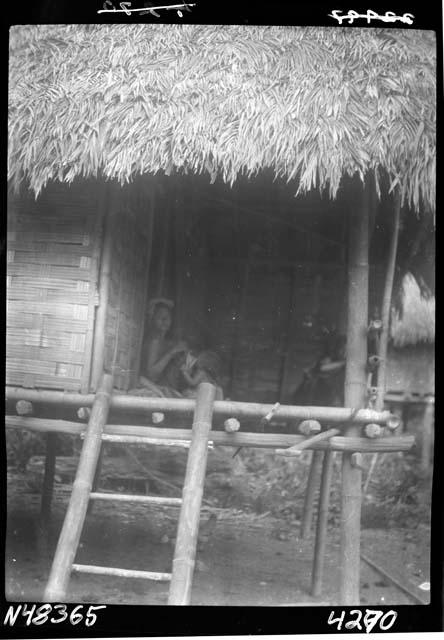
[[75, 516], [186, 542]]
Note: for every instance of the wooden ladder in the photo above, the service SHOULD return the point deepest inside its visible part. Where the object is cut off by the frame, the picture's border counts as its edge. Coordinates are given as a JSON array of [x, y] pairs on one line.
[[186, 542]]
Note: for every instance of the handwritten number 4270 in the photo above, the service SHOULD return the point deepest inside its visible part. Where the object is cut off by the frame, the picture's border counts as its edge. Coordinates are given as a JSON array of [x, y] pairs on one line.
[[371, 618]]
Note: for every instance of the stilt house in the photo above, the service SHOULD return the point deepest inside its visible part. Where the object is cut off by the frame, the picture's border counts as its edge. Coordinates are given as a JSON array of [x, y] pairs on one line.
[[237, 170]]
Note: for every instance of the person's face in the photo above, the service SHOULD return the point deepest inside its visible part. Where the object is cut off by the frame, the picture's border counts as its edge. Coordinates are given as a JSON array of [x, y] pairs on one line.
[[162, 319]]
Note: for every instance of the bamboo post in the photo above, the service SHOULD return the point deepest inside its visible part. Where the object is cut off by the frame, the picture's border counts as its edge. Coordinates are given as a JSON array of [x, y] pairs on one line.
[[385, 319], [93, 301], [354, 395], [427, 435], [286, 339], [387, 303], [48, 478], [72, 526], [98, 357], [321, 529], [149, 248], [307, 515], [185, 551], [316, 460]]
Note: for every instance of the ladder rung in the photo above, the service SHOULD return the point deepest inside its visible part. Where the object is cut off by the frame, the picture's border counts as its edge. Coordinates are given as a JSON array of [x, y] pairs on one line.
[[121, 573], [125, 497], [146, 440]]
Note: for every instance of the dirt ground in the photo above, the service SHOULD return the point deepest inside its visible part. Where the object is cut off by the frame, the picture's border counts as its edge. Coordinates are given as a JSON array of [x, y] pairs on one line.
[[247, 560]]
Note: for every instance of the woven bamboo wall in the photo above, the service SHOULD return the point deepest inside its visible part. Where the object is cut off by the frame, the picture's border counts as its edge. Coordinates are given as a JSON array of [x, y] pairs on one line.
[[248, 321], [267, 338], [52, 256], [127, 293]]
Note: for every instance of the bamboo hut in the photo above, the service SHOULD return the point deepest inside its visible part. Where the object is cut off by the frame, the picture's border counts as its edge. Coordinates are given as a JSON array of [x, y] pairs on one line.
[[412, 357], [124, 141]]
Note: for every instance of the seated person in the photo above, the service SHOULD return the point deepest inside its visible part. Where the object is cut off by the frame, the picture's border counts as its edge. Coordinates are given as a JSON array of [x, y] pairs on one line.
[[205, 368], [162, 354]]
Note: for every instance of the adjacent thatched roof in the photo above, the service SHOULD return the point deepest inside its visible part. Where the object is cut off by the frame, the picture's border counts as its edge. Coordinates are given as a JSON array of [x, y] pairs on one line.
[[416, 323], [312, 104]]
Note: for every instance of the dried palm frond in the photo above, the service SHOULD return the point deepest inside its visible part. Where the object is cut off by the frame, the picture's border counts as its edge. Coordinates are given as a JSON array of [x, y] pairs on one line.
[[416, 321], [312, 104]]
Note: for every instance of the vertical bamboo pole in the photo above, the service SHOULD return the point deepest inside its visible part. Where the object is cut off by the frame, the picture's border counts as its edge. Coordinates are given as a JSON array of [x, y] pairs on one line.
[[286, 338], [96, 229], [185, 551], [321, 529], [316, 459], [387, 303], [385, 318], [307, 515], [427, 435], [75, 516], [98, 357], [354, 392], [140, 343], [48, 478]]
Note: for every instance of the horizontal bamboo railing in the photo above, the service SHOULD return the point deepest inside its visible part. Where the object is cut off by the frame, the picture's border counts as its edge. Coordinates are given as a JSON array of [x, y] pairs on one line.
[[221, 438], [221, 407]]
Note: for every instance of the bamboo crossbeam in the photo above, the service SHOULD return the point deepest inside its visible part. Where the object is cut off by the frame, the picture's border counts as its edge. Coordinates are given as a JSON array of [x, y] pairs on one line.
[[121, 573], [225, 408], [128, 497], [409, 398], [221, 438], [72, 526], [128, 439], [307, 443], [49, 397]]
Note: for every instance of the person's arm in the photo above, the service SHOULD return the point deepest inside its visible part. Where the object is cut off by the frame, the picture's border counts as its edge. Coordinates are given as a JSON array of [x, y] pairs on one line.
[[155, 366], [326, 367], [194, 380]]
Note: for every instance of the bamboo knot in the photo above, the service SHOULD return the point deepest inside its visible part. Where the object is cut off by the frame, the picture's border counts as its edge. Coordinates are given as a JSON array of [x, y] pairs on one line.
[[102, 394], [201, 423], [184, 561]]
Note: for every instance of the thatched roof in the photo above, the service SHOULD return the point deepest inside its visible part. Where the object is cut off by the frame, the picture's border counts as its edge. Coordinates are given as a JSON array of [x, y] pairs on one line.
[[415, 323], [312, 104]]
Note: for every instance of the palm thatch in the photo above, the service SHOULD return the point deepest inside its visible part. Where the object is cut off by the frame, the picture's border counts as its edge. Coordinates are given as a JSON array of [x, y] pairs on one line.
[[312, 104], [415, 323]]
